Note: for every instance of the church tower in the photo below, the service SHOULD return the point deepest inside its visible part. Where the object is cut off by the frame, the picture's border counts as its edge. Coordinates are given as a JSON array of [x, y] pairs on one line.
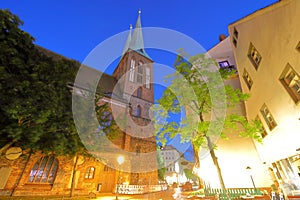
[[135, 76]]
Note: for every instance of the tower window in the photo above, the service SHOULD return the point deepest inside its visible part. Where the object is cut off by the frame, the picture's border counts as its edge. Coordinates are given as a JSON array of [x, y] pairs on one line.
[[89, 173], [254, 56], [147, 78], [291, 82], [140, 73], [247, 79], [44, 170], [132, 70], [139, 92], [268, 117], [138, 111]]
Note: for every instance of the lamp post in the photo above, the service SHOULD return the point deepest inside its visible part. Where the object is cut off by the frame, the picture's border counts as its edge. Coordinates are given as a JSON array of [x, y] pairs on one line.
[[248, 168], [120, 160]]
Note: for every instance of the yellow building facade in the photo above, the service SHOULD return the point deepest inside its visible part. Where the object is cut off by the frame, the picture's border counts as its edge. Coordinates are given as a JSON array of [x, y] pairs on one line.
[[266, 46]]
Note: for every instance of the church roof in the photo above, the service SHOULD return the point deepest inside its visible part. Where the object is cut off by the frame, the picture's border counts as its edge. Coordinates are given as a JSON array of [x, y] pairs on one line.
[[135, 40]]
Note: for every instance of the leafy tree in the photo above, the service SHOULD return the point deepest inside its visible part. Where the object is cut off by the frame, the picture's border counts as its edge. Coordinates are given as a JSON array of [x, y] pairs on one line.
[[35, 102], [199, 89], [161, 165]]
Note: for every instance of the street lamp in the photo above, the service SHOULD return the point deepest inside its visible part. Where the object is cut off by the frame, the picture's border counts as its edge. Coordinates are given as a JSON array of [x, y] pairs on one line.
[[120, 160], [248, 168]]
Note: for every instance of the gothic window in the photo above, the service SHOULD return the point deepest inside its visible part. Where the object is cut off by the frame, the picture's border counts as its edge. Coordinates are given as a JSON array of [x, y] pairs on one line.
[[132, 70], [140, 73], [147, 77], [89, 173], [44, 170], [139, 92], [138, 111]]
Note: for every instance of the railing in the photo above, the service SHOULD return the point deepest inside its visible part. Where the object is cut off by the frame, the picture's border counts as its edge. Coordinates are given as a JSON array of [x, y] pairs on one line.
[[140, 189]]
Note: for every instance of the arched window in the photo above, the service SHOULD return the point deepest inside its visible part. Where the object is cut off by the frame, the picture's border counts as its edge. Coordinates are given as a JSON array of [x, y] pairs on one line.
[[138, 111], [147, 81], [132, 70], [140, 73], [139, 92], [89, 173], [44, 170]]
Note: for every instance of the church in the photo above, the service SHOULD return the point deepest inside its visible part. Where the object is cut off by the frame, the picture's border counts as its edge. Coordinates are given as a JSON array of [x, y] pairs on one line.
[[129, 90]]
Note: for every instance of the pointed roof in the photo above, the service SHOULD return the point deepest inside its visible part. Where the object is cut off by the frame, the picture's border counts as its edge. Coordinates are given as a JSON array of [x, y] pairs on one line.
[[135, 40]]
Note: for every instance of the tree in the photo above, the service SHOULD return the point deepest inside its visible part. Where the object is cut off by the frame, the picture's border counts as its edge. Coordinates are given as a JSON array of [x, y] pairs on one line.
[[197, 86], [160, 165], [35, 102]]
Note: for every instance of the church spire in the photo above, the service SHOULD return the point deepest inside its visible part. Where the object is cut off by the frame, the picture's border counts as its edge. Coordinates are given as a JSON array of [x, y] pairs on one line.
[[127, 44], [135, 41]]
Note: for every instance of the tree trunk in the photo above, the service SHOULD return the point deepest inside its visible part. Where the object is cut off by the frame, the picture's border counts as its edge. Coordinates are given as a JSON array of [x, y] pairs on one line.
[[73, 176], [215, 160]]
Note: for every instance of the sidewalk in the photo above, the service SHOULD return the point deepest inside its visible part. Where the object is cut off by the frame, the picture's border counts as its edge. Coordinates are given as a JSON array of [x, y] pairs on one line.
[[164, 195]]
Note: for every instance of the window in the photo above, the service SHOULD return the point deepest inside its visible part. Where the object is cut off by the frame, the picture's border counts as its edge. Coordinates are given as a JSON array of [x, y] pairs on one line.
[[247, 79], [254, 56], [268, 117], [89, 173], [107, 169], [147, 77], [224, 64], [140, 73], [235, 37], [291, 81], [139, 92], [235, 33], [44, 170], [138, 111], [264, 132], [132, 70], [298, 47]]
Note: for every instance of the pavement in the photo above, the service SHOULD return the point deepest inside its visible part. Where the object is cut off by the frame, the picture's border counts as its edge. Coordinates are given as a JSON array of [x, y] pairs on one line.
[[163, 195]]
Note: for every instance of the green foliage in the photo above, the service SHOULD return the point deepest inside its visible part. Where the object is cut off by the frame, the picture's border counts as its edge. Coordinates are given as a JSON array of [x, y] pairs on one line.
[[198, 87], [35, 102]]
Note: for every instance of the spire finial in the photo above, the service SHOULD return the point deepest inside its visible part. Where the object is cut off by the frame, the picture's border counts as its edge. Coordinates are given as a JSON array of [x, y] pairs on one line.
[[130, 26], [140, 11]]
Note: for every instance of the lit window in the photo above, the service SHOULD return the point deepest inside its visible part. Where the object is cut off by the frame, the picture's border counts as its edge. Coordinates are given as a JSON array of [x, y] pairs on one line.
[[224, 64], [254, 56], [147, 77], [140, 73], [291, 81], [247, 79], [132, 70], [44, 170], [268, 117], [264, 132], [89, 173]]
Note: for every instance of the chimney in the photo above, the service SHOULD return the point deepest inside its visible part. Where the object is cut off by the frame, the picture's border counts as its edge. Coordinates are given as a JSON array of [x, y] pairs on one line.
[[222, 37]]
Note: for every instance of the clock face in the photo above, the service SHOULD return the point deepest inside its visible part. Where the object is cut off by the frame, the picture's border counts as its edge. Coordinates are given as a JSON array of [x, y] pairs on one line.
[[13, 153]]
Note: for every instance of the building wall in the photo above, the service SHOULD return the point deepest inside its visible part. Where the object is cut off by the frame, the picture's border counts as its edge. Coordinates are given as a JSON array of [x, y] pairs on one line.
[[235, 153], [274, 31]]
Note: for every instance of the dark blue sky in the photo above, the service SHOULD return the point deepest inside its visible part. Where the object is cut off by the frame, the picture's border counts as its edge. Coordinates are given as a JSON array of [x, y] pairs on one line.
[[74, 28]]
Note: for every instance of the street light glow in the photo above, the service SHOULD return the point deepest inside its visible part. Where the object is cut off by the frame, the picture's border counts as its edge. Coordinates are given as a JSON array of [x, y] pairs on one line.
[[120, 160]]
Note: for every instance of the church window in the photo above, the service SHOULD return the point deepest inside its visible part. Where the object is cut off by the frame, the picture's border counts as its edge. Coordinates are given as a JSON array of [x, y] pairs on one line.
[[89, 173], [138, 111], [147, 77], [140, 73], [139, 92], [44, 170], [132, 71]]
